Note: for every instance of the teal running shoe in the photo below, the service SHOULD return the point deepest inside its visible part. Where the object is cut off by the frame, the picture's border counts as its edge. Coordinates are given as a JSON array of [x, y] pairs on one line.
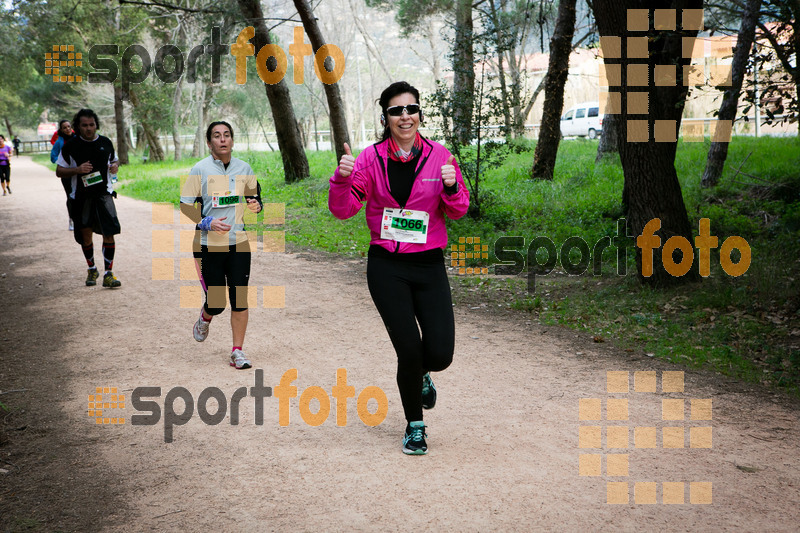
[[428, 392], [414, 439]]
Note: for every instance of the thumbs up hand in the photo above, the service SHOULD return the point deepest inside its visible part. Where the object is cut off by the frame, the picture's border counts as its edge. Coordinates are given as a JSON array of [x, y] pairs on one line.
[[449, 172], [347, 162]]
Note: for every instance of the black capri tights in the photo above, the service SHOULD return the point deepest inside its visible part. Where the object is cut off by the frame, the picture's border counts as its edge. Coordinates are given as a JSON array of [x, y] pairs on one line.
[[221, 267], [406, 293]]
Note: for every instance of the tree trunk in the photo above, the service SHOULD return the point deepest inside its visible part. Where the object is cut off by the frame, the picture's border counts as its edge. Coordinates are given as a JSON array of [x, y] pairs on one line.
[[8, 127], [651, 189], [544, 158], [122, 130], [463, 73], [369, 42], [718, 151], [199, 93], [436, 68], [156, 152], [119, 106], [609, 140], [498, 41], [290, 144], [338, 118], [176, 118]]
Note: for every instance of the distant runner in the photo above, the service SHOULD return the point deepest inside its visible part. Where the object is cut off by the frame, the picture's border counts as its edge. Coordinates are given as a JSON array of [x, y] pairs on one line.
[[5, 165], [65, 133]]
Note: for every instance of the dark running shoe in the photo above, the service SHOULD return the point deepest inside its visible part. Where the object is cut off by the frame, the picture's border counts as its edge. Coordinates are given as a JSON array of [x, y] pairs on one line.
[[414, 439], [110, 281], [428, 392], [91, 277]]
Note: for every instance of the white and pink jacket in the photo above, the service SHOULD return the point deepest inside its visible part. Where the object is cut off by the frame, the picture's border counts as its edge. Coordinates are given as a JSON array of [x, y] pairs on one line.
[[370, 181]]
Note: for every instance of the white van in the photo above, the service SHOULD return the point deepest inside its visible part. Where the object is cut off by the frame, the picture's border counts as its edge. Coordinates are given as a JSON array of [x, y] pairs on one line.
[[583, 120]]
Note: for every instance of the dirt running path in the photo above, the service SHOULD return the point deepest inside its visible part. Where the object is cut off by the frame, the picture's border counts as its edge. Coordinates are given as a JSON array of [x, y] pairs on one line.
[[503, 438]]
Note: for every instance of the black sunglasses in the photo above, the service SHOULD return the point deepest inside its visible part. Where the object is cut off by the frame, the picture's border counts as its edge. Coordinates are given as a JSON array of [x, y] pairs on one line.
[[396, 111]]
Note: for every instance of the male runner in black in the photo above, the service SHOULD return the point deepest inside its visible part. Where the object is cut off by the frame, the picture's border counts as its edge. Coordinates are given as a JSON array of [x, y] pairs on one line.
[[88, 159]]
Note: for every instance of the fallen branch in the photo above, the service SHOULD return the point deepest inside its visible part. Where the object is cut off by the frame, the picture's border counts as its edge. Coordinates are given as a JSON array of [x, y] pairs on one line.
[[12, 390], [11, 464], [166, 514]]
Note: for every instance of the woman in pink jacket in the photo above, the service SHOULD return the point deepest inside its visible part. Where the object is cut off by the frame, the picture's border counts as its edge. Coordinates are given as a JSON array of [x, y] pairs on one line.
[[409, 184]]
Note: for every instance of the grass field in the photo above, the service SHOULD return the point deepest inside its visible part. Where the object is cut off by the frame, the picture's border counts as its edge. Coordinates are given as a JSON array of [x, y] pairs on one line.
[[748, 326]]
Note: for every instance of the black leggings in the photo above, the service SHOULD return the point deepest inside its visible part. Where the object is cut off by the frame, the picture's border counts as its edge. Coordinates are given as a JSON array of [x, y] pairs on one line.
[[222, 266], [406, 293]]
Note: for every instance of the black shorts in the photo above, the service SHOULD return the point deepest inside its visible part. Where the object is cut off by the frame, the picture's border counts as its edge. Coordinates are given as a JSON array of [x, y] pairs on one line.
[[98, 213], [221, 267], [5, 173]]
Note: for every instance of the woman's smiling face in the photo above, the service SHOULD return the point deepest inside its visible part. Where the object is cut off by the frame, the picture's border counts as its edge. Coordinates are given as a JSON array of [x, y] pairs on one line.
[[403, 128]]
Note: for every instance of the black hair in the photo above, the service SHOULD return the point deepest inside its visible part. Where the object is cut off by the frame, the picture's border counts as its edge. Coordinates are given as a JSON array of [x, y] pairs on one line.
[[217, 123], [398, 87], [76, 120], [61, 123]]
